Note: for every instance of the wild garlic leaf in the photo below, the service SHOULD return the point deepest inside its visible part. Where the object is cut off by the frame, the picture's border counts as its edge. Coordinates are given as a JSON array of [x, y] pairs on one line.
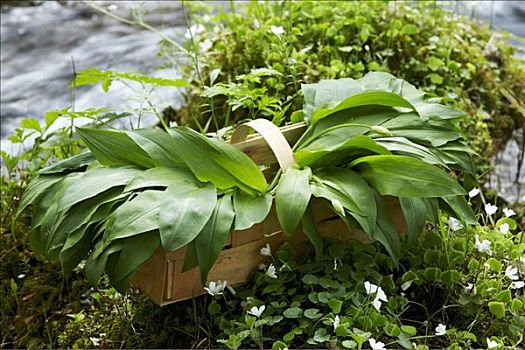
[[406, 177], [184, 211], [292, 197], [210, 241], [114, 148]]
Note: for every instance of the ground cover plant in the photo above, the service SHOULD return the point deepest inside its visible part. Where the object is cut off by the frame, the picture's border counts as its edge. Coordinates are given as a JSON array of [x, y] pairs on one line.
[[453, 285]]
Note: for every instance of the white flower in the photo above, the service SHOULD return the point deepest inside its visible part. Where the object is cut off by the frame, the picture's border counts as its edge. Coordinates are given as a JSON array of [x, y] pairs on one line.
[[511, 273], [441, 329], [473, 192], [336, 322], [470, 287], [504, 228], [271, 271], [508, 212], [490, 209], [517, 285], [256, 24], [406, 285], [370, 287], [266, 250], [205, 45], [257, 311], [216, 288], [277, 30], [376, 345], [380, 294], [484, 246], [491, 344], [95, 341], [454, 224], [194, 30], [262, 266]]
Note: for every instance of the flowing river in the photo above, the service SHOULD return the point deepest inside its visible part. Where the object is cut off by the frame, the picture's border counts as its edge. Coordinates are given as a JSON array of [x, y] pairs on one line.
[[43, 45]]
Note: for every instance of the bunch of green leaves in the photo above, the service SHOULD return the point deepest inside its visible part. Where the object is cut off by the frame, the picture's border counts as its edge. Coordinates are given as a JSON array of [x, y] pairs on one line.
[[369, 138], [138, 190], [456, 58]]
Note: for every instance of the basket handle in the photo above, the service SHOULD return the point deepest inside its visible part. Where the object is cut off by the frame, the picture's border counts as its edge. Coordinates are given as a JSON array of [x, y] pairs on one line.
[[273, 137]]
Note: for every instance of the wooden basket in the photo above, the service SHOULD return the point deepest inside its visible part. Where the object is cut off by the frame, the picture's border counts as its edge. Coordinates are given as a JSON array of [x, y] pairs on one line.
[[161, 277]]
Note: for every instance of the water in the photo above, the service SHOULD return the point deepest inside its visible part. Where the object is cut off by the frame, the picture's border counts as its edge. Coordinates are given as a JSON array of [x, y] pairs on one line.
[[39, 44]]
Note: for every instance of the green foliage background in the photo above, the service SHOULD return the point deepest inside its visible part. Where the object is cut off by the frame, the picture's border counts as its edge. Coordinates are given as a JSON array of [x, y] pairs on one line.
[[440, 52]]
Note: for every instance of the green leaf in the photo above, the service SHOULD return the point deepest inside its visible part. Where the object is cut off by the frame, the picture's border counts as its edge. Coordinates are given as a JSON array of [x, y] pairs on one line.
[[310, 231], [512, 224], [184, 212], [414, 128], [292, 197], [211, 239], [329, 151], [250, 210], [312, 314], [112, 147], [31, 123], [497, 308], [36, 190], [381, 98], [435, 63], [159, 146], [161, 177], [353, 192], [222, 164], [406, 177], [293, 312], [461, 208], [417, 211], [409, 29], [385, 231], [93, 76], [138, 215], [335, 305], [76, 163], [135, 251], [403, 146], [93, 182]]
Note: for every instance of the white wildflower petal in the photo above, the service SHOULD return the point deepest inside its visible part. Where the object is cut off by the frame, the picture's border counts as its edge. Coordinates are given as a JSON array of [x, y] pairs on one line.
[[473, 192], [454, 224], [277, 30], [205, 45], [381, 294], [483, 246], [95, 341], [376, 303], [216, 288], [491, 344], [508, 212], [517, 285], [441, 329], [336, 322], [504, 228], [257, 311], [511, 273], [370, 287], [266, 250], [376, 345], [271, 271], [490, 209]]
